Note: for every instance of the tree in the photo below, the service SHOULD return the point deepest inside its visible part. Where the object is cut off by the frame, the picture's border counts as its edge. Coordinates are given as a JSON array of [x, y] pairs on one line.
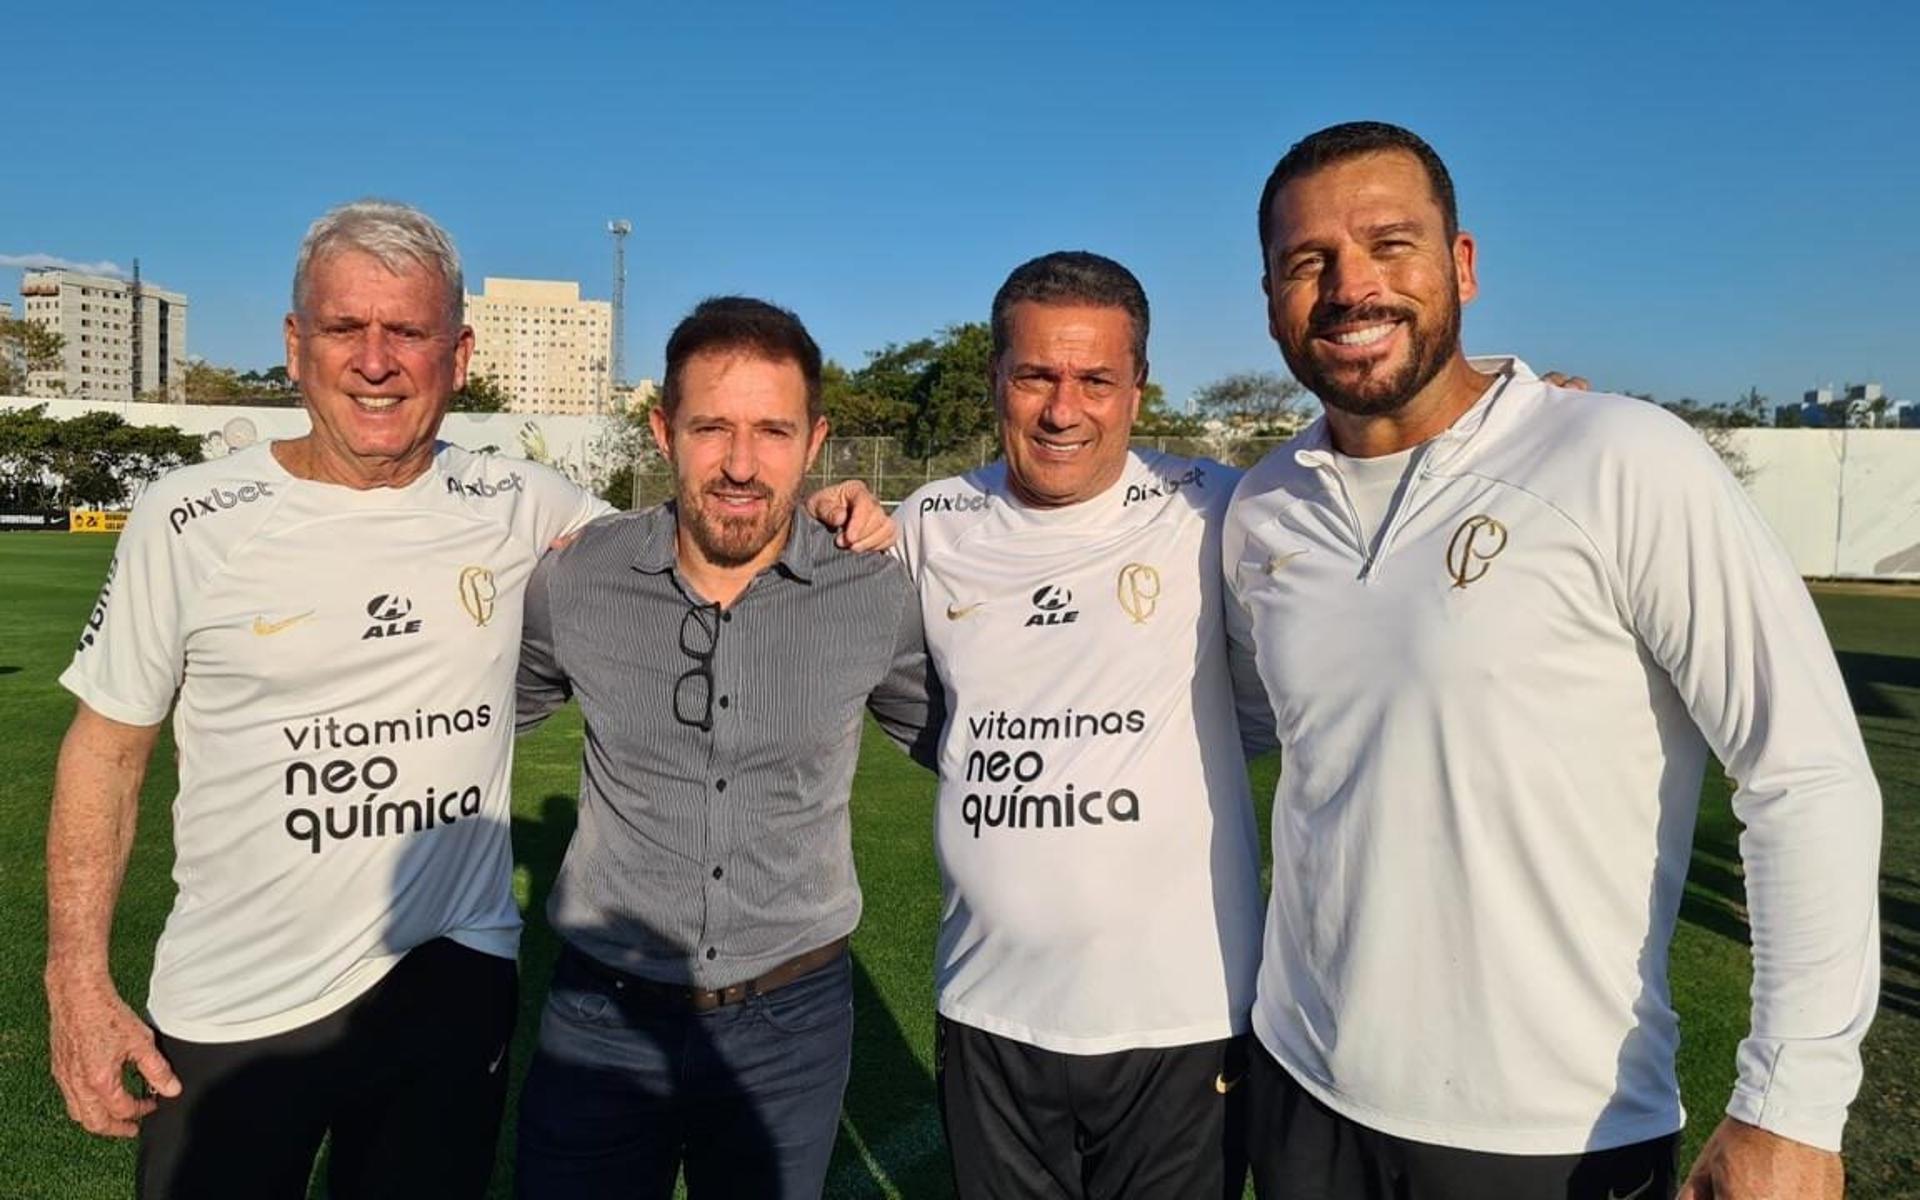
[[856, 409], [26, 435], [273, 379], [95, 458], [482, 394], [1265, 400], [953, 402], [204, 383], [1157, 420], [26, 347]]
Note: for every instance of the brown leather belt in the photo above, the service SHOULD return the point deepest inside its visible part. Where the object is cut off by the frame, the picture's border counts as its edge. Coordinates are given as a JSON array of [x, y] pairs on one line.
[[699, 1000]]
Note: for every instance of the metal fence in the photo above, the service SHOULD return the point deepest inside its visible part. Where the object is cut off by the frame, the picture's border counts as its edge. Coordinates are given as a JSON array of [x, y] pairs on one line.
[[892, 474]]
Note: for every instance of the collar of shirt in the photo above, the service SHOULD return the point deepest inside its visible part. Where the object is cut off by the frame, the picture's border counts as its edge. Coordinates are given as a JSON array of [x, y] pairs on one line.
[[656, 550], [1315, 448]]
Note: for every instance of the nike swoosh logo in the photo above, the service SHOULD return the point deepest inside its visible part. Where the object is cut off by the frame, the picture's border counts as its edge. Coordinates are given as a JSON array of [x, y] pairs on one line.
[[1223, 1085], [958, 612], [1278, 562], [266, 628], [1635, 1193]]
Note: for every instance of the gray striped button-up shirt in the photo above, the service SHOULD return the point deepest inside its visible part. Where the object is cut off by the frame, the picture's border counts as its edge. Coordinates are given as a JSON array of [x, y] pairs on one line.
[[708, 856]]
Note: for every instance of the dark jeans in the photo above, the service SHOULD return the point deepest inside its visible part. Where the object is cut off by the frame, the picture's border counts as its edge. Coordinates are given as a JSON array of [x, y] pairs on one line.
[[624, 1090]]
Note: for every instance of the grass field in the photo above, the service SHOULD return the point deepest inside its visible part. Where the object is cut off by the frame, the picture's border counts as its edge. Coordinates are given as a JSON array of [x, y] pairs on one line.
[[890, 1144]]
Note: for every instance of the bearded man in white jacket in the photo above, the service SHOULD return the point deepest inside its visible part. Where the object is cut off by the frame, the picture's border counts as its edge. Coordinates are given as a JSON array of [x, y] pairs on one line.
[[1501, 628]]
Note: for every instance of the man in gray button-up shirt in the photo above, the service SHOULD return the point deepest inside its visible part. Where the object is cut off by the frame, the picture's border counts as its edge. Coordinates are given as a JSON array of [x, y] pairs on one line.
[[722, 653]]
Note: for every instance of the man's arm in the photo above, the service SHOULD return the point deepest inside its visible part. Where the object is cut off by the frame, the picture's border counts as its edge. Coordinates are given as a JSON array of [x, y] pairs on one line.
[[1718, 604], [96, 798], [911, 703], [542, 684]]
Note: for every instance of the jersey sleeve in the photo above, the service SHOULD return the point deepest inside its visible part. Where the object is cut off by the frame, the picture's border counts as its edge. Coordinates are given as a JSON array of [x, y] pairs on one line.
[[557, 505], [542, 684], [1252, 709], [1717, 602], [910, 703], [1258, 733], [132, 653], [909, 547]]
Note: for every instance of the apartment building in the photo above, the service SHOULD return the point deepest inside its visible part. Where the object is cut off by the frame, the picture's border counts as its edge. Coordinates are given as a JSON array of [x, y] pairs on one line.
[[548, 349], [123, 340]]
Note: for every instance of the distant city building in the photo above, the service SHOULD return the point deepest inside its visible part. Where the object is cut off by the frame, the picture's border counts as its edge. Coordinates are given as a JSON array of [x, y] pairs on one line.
[[635, 397], [123, 340], [6, 314], [1856, 406], [548, 349]]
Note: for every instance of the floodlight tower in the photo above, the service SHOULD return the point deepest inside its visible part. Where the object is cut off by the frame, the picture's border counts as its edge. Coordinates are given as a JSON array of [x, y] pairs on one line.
[[619, 229]]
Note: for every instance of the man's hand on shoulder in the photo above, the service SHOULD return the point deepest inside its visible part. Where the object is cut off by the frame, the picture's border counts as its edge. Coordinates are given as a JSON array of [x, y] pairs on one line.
[[1745, 1162], [1573, 383], [850, 508], [93, 1036]]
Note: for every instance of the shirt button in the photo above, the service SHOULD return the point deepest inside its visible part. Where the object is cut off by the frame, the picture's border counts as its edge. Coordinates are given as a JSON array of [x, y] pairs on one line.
[[723, 702], [726, 616], [719, 785], [717, 872], [712, 954]]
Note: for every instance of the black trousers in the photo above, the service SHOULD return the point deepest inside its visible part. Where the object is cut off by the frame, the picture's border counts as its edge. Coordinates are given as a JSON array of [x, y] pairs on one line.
[[1154, 1124], [410, 1079], [1303, 1150]]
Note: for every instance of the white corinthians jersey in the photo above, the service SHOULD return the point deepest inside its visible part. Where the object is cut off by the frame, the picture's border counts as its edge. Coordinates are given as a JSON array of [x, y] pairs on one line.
[[1096, 844], [344, 663], [1494, 729]]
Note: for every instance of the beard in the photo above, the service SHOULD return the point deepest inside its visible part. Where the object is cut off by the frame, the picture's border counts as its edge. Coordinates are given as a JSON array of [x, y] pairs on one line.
[[726, 540], [1378, 388]]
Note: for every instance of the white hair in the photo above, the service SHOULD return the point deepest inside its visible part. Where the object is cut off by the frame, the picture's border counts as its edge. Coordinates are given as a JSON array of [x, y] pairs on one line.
[[399, 235]]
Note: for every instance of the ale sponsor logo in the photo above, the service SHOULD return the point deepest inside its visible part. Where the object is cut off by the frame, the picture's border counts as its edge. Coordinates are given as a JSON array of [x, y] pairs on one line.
[[1053, 605], [392, 617]]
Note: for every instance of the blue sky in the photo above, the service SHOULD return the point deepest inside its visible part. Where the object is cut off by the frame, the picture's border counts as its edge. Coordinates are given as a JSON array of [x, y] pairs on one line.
[[1685, 199]]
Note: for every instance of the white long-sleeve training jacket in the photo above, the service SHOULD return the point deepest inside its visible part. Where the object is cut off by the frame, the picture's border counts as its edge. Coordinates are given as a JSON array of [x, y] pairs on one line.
[[1494, 729]]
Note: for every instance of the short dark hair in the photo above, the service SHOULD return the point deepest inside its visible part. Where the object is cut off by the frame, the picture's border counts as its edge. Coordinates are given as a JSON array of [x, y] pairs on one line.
[[742, 325], [1074, 277], [1337, 143]]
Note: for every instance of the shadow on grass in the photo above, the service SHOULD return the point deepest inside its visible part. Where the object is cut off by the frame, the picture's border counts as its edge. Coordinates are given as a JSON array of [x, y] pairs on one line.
[[1869, 675], [1716, 901], [890, 1138]]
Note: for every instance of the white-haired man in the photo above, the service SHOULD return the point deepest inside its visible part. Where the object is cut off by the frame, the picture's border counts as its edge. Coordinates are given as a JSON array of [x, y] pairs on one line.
[[334, 622]]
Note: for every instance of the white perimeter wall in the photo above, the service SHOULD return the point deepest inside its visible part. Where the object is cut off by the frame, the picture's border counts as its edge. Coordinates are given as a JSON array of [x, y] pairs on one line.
[[1845, 502], [574, 444]]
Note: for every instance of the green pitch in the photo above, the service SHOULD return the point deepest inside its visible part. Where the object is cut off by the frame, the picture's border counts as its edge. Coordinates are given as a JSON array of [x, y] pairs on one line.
[[890, 1144]]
